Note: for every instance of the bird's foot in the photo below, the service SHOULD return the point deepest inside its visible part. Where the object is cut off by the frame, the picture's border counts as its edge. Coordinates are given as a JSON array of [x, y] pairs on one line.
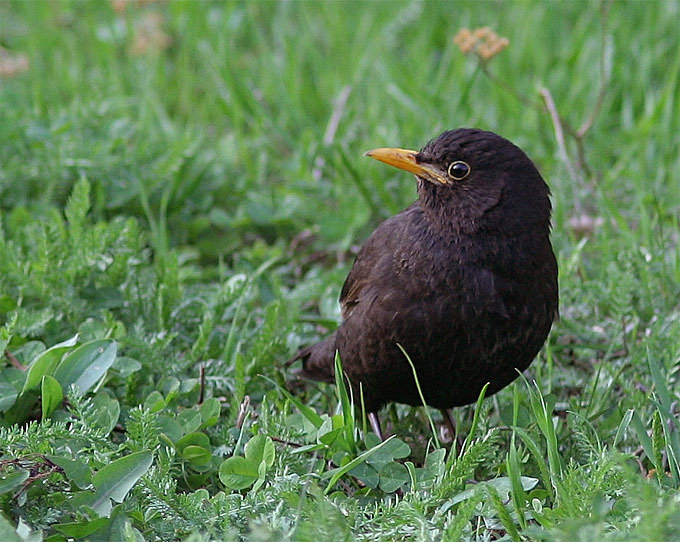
[[375, 424]]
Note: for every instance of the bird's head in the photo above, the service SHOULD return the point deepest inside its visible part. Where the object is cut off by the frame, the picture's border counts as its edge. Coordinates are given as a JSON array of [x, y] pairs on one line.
[[471, 179]]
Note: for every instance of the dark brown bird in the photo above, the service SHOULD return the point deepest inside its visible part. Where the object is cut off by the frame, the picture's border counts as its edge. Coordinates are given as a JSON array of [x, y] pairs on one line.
[[465, 280]]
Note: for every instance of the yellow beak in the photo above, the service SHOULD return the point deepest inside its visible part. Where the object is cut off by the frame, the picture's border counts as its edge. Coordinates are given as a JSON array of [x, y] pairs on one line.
[[406, 160]]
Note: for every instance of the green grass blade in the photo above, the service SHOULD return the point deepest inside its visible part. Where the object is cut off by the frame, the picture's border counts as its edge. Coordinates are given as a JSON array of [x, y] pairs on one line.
[[346, 404], [353, 463], [306, 411], [475, 420], [422, 397]]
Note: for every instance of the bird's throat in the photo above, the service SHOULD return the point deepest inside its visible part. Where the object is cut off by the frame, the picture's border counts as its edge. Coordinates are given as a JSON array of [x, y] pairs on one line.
[[456, 211]]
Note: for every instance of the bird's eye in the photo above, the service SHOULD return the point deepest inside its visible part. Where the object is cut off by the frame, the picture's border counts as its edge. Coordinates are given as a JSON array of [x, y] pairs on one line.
[[459, 170]]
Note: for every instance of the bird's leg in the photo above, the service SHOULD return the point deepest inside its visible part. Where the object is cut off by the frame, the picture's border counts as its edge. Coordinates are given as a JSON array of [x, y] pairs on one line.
[[449, 423], [375, 424]]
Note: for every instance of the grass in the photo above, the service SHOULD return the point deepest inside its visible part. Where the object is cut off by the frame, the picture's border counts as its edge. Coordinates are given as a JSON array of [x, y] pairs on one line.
[[181, 195]]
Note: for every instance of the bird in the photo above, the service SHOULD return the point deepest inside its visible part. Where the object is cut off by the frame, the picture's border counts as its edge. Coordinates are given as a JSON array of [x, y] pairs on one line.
[[464, 281]]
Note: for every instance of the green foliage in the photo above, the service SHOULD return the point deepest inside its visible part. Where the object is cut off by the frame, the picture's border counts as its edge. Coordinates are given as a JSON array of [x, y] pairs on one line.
[[239, 472], [181, 195]]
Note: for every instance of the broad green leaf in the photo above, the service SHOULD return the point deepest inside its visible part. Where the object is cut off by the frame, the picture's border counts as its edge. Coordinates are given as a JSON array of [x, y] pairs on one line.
[[170, 427], [46, 362], [238, 473], [341, 458], [106, 411], [82, 529], [86, 364], [190, 420], [22, 408], [29, 351], [396, 449], [261, 474], [122, 529], [210, 412], [504, 485], [92, 329], [154, 402], [169, 386], [425, 476], [196, 454], [74, 469], [7, 531], [260, 448], [371, 440], [328, 436], [114, 481], [13, 480], [126, 366], [10, 384], [51, 395], [193, 439], [367, 474], [336, 474], [393, 476]]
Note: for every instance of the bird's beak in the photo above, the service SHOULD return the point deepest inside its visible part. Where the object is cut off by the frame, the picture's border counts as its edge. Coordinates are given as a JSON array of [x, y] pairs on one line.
[[406, 160]]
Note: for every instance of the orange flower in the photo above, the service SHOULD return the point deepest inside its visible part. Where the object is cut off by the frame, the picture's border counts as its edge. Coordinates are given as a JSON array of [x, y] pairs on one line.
[[12, 65], [484, 42], [150, 37]]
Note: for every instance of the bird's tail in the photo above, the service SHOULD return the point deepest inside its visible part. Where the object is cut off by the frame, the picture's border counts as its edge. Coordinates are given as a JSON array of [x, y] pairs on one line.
[[317, 361]]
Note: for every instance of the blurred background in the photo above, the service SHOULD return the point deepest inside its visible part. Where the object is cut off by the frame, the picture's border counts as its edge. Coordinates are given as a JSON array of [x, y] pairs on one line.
[[184, 181], [237, 121]]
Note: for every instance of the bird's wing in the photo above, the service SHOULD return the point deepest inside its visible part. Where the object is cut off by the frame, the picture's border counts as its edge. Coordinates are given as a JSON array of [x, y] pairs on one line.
[[376, 251], [354, 285]]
